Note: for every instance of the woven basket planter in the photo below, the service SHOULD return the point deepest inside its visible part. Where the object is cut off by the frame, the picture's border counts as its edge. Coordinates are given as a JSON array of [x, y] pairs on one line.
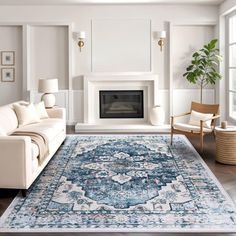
[[226, 147]]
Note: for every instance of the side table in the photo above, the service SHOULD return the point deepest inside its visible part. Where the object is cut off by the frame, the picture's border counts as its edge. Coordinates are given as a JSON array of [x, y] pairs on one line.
[[226, 145]]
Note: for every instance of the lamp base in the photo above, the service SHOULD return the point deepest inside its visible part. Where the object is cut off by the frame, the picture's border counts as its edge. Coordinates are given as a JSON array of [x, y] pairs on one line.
[[49, 100]]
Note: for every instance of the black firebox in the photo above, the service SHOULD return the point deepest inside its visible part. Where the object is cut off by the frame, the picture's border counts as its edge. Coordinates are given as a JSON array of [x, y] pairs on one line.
[[121, 104]]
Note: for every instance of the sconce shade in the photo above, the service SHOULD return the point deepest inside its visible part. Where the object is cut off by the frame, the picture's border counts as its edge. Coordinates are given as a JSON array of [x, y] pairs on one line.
[[81, 35], [48, 86], [161, 34]]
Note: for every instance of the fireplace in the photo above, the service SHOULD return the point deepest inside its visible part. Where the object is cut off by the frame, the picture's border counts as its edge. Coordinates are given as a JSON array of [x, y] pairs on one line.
[[115, 104], [96, 114]]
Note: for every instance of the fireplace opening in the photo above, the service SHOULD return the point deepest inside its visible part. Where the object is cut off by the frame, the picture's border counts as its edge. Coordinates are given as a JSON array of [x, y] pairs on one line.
[[121, 104]]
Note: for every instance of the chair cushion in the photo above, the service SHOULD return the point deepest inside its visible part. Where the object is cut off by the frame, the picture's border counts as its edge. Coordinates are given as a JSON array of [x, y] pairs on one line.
[[195, 118], [190, 128], [50, 128]]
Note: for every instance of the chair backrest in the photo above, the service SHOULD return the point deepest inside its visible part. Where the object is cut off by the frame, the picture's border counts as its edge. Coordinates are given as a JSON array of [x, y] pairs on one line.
[[205, 108]]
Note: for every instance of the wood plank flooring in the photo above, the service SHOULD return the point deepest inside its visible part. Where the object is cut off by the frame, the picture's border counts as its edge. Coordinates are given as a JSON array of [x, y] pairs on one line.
[[226, 174]]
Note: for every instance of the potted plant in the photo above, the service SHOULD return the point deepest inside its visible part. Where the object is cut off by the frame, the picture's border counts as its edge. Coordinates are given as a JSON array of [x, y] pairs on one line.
[[204, 65]]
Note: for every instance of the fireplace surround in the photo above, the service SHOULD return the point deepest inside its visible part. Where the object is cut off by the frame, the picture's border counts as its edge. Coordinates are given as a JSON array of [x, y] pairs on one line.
[[94, 83]]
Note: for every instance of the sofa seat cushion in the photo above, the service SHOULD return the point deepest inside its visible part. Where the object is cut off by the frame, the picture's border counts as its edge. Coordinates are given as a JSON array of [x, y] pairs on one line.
[[190, 128], [34, 151], [49, 128], [35, 154]]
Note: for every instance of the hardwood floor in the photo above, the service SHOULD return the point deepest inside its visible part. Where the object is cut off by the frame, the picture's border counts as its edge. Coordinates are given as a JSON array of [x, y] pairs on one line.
[[226, 174]]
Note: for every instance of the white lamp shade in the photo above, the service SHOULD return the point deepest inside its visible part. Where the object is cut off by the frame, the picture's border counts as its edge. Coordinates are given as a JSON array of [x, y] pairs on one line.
[[81, 35], [161, 34], [48, 86]]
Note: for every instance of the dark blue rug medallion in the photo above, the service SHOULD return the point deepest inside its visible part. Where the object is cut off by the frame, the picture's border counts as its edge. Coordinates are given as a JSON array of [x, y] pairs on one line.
[[123, 183]]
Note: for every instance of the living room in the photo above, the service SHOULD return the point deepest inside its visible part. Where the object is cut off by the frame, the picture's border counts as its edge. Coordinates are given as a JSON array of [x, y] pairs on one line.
[[112, 77]]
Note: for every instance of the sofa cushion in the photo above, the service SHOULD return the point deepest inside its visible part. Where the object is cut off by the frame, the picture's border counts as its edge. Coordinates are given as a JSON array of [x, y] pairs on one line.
[[2, 133], [35, 154], [8, 120], [26, 114], [34, 150], [49, 128], [41, 110]]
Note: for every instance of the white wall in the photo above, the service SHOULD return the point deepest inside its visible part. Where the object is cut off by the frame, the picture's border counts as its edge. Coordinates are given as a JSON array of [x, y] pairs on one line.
[[11, 40], [81, 17]]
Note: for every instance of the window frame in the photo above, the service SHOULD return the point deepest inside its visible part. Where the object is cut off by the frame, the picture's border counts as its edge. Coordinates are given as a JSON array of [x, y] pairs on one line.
[[228, 67]]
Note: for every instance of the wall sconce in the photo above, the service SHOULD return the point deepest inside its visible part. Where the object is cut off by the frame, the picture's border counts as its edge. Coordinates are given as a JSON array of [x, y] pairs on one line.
[[80, 38], [161, 35]]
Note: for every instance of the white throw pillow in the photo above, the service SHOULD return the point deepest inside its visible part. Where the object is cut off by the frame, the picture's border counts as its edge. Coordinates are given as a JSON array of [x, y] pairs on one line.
[[195, 118], [24, 103], [40, 108], [2, 133], [26, 114]]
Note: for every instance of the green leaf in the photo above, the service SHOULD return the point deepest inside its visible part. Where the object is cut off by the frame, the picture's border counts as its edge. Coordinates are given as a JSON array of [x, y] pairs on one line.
[[190, 67], [212, 44], [196, 54]]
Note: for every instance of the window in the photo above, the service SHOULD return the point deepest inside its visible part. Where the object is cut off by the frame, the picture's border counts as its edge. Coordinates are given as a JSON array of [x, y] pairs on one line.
[[231, 67]]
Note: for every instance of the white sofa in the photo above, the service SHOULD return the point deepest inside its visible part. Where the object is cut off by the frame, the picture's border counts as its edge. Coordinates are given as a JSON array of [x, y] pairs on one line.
[[19, 165]]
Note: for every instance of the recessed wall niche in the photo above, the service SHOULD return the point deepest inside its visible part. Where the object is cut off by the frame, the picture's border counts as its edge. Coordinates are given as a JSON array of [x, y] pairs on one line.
[[11, 40], [184, 47], [121, 45], [49, 54]]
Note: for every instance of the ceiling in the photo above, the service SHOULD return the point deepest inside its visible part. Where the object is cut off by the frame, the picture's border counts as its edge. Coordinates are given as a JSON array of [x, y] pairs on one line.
[[74, 2]]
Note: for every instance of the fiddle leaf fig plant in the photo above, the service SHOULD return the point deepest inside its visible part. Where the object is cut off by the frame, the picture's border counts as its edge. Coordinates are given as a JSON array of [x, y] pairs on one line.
[[203, 69]]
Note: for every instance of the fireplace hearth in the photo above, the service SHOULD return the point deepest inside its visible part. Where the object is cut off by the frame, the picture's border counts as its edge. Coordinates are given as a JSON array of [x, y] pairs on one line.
[[115, 104]]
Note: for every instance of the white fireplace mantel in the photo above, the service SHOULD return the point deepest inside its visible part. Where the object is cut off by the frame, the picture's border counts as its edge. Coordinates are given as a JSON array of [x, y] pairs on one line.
[[94, 83]]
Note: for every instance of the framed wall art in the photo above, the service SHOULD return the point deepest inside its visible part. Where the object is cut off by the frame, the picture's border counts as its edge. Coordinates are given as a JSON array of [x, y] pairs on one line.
[[8, 74], [8, 58]]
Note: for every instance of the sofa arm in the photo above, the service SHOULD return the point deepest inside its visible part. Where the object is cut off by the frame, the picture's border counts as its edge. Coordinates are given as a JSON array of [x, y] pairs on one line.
[[15, 162], [57, 112]]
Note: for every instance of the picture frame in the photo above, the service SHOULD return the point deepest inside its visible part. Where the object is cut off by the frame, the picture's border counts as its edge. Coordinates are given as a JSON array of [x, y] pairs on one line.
[[8, 74], [7, 58]]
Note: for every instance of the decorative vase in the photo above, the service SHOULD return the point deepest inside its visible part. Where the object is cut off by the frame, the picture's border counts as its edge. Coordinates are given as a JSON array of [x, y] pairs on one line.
[[157, 115]]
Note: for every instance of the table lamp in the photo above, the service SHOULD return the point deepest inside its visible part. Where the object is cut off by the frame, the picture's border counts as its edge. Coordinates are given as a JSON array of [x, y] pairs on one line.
[[48, 87]]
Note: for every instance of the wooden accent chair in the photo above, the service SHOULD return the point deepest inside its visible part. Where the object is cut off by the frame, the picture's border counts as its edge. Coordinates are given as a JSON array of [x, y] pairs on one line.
[[200, 130]]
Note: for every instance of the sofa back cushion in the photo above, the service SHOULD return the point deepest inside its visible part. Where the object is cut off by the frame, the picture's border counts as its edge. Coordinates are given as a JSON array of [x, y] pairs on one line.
[[8, 119]]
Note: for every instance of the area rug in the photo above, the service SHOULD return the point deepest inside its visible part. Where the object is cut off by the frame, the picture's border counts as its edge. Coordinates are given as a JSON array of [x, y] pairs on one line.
[[117, 183]]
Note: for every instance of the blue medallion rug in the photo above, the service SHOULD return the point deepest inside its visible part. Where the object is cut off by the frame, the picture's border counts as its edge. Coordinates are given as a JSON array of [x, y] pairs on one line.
[[117, 183]]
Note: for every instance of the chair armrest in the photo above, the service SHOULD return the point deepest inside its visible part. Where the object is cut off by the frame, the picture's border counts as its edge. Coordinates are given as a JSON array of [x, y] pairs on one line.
[[181, 115], [212, 118], [184, 114], [57, 112], [15, 162]]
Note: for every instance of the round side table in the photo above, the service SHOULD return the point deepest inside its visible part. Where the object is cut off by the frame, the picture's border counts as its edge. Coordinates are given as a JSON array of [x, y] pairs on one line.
[[226, 145]]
